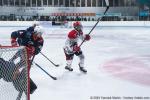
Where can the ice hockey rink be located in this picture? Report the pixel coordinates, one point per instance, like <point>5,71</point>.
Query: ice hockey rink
<point>117,59</point>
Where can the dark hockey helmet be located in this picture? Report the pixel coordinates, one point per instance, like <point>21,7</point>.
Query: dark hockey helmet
<point>77,26</point>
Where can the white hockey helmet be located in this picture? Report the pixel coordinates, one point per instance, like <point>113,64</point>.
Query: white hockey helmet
<point>38,30</point>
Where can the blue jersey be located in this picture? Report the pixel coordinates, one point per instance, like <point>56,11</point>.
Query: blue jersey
<point>22,36</point>
<point>30,29</point>
<point>25,38</point>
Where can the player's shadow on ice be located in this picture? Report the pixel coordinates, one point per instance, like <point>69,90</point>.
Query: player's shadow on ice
<point>67,75</point>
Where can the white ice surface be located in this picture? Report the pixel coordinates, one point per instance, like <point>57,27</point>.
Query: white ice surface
<point>107,44</point>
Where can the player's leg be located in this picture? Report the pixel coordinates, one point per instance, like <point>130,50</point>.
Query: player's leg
<point>20,83</point>
<point>69,58</point>
<point>81,62</point>
<point>17,55</point>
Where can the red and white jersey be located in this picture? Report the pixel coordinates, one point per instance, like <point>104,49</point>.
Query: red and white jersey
<point>72,40</point>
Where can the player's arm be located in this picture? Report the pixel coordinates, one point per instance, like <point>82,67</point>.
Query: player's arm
<point>68,46</point>
<point>36,47</point>
<point>86,37</point>
<point>14,36</point>
<point>30,29</point>
<point>39,46</point>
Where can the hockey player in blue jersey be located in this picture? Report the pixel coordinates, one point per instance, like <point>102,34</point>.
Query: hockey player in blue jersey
<point>32,40</point>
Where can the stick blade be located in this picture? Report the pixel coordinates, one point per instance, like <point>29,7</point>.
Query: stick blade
<point>54,78</point>
<point>57,65</point>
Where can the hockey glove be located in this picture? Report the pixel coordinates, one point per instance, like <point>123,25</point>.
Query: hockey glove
<point>37,50</point>
<point>87,37</point>
<point>31,50</point>
<point>76,48</point>
<point>30,43</point>
<point>13,42</point>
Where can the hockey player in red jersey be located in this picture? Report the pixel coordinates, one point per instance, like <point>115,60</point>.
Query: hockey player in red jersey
<point>72,47</point>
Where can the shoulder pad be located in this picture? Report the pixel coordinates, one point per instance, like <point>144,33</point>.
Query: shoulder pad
<point>72,34</point>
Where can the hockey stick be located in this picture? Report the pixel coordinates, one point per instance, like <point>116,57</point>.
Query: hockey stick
<point>56,65</point>
<point>19,95</point>
<point>32,60</point>
<point>54,78</point>
<point>99,19</point>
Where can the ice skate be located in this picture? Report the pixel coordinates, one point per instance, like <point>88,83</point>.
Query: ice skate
<point>82,69</point>
<point>69,68</point>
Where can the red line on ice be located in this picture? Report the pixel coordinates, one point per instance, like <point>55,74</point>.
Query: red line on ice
<point>133,69</point>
